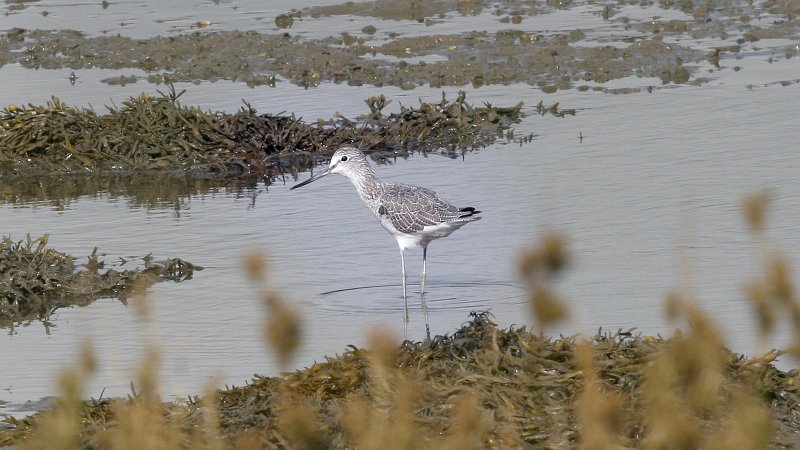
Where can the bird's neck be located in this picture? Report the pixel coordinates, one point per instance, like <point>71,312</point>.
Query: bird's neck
<point>366,184</point>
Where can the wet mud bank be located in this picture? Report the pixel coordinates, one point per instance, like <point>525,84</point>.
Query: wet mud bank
<point>625,39</point>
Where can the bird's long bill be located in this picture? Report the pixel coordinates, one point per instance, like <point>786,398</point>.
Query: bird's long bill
<point>314,178</point>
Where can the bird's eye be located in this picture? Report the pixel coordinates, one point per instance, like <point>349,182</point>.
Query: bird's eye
<point>344,158</point>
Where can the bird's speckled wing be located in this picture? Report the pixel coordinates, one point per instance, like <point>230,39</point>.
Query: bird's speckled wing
<point>412,208</point>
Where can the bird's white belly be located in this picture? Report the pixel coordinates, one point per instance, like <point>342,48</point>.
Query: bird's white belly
<point>420,238</point>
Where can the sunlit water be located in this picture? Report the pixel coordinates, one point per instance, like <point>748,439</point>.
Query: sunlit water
<point>649,200</point>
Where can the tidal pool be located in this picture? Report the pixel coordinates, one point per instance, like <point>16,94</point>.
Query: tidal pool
<point>647,187</point>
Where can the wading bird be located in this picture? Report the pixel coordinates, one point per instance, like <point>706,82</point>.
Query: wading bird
<point>413,215</point>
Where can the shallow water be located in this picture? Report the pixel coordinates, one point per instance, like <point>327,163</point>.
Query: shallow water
<point>649,199</point>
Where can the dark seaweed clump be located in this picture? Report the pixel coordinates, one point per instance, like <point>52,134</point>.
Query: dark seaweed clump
<point>157,133</point>
<point>35,280</point>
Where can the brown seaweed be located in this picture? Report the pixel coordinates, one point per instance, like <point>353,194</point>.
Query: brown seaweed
<point>159,134</point>
<point>36,280</point>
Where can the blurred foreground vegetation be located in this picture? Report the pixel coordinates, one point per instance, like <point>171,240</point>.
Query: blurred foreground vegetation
<point>484,386</point>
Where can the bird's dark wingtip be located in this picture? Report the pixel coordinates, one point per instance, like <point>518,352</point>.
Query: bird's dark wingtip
<point>468,212</point>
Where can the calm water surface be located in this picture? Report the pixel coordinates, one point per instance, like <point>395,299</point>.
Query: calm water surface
<point>649,200</point>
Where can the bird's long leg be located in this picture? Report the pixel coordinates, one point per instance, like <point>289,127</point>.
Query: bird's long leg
<point>405,298</point>
<point>422,292</point>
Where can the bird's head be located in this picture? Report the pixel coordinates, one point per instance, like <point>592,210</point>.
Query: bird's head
<point>347,160</point>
